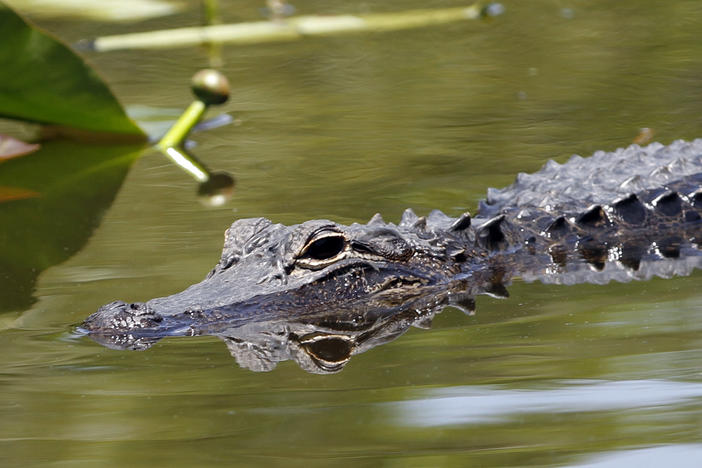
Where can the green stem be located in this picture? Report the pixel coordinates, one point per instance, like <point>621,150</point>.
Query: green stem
<point>177,133</point>
<point>291,29</point>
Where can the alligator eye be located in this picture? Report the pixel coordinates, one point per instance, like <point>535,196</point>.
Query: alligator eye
<point>325,248</point>
<point>320,251</point>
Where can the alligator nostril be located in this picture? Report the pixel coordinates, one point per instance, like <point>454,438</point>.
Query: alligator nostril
<point>122,316</point>
<point>136,308</point>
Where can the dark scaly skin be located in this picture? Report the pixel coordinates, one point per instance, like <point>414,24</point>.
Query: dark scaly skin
<point>630,214</point>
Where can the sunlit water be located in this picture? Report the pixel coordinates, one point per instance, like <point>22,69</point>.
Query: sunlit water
<point>341,128</point>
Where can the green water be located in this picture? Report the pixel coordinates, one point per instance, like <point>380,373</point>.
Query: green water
<point>341,128</point>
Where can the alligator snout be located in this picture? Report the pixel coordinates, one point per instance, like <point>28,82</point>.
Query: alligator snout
<point>122,316</point>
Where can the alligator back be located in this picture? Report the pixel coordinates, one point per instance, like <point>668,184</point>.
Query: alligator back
<point>600,179</point>
<point>620,215</point>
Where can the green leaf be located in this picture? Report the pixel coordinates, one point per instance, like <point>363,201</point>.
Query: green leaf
<point>42,80</point>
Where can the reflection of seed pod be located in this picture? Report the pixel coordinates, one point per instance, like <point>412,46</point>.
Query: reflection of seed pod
<point>217,190</point>
<point>210,86</point>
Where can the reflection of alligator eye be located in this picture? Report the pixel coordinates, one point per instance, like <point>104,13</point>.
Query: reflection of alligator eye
<point>322,251</point>
<point>330,353</point>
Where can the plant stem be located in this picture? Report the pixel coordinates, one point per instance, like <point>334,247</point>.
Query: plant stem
<point>177,133</point>
<point>290,29</point>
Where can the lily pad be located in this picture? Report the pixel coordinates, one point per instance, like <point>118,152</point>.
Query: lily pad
<point>42,80</point>
<point>12,147</point>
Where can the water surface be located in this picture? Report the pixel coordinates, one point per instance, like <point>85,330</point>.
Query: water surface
<point>342,128</point>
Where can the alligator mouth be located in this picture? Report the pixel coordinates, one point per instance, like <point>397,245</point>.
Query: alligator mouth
<point>380,276</point>
<point>339,267</point>
<point>351,280</point>
<point>393,284</point>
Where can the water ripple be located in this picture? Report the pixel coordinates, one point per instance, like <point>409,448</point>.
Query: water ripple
<point>490,404</point>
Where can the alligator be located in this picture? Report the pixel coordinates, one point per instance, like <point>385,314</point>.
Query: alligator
<point>319,291</point>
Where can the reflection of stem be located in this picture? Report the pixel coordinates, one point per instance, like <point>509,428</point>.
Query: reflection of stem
<point>211,10</point>
<point>188,162</point>
<point>212,16</point>
<point>214,188</point>
<point>177,133</point>
<point>210,88</point>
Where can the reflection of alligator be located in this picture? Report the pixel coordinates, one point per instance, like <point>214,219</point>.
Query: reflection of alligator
<point>629,214</point>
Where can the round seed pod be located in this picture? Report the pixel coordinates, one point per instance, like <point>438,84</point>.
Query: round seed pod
<point>210,86</point>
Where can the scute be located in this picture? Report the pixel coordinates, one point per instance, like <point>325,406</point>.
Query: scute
<point>669,204</point>
<point>630,209</point>
<point>604,177</point>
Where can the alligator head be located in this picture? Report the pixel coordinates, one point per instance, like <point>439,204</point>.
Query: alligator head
<point>270,270</point>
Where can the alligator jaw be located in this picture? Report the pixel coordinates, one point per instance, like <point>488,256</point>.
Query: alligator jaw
<point>341,286</point>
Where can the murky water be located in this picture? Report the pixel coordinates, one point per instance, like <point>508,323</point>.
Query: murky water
<point>341,128</point>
